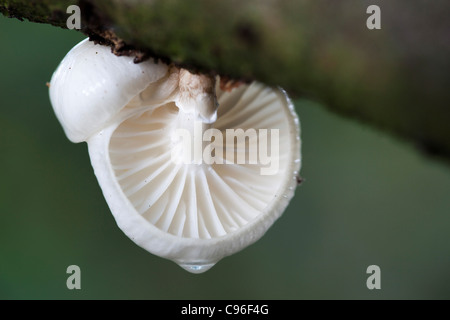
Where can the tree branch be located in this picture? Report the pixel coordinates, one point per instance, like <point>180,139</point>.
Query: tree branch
<point>396,78</point>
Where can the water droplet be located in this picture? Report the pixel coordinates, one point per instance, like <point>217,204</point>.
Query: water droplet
<point>196,267</point>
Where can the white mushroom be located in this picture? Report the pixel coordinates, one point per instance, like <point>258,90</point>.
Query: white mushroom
<point>193,208</point>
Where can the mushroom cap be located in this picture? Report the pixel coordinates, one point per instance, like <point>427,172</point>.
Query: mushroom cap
<point>192,213</point>
<point>91,85</point>
<point>196,214</point>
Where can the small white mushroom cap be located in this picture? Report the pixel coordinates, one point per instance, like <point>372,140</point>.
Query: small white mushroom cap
<point>91,86</point>
<point>192,213</point>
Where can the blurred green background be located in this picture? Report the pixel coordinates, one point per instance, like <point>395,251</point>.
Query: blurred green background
<point>367,199</point>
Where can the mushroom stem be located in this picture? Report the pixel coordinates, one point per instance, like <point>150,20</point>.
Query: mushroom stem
<point>197,103</point>
<point>187,139</point>
<point>197,94</point>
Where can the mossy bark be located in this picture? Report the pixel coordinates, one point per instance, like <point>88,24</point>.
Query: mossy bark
<point>396,78</point>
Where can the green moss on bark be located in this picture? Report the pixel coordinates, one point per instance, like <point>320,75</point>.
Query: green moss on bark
<point>395,78</point>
